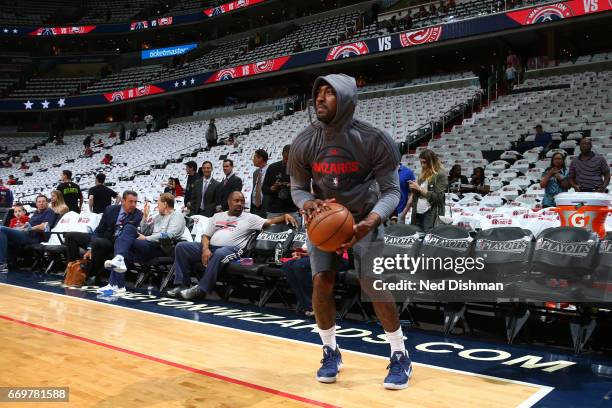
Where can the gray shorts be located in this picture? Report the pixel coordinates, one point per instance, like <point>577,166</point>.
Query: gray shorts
<point>368,247</point>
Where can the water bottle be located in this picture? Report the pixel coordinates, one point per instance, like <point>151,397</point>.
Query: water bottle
<point>278,253</point>
<point>47,229</point>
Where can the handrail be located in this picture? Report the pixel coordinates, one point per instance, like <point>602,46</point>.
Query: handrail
<point>428,128</point>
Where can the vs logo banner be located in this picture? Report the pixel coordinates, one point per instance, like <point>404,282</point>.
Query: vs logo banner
<point>559,11</point>
<point>132,93</point>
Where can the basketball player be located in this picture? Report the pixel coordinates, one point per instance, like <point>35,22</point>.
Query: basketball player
<point>355,164</point>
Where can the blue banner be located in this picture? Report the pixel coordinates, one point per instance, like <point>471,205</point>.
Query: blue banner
<point>168,51</point>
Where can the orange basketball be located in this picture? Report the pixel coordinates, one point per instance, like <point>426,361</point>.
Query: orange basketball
<point>331,228</point>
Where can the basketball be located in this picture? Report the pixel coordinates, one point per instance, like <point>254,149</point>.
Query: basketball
<point>332,228</point>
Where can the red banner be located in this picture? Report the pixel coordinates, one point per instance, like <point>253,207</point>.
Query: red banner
<point>227,7</point>
<point>347,51</point>
<point>75,30</point>
<point>559,11</point>
<point>249,69</point>
<point>418,37</point>
<point>132,93</point>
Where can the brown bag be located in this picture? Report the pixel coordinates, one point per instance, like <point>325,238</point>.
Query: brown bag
<point>76,273</point>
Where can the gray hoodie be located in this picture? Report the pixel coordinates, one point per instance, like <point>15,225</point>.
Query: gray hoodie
<point>347,159</point>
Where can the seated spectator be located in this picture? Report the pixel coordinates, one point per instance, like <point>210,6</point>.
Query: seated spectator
<point>423,12</point>
<point>35,159</point>
<point>112,134</point>
<point>108,159</point>
<point>554,180</point>
<point>32,232</point>
<point>7,163</point>
<point>174,187</point>
<point>24,166</point>
<point>428,192</point>
<point>100,244</point>
<point>297,47</point>
<point>11,181</point>
<point>20,217</point>
<point>99,143</point>
<point>58,205</point>
<point>542,139</point>
<point>455,179</point>
<point>88,152</point>
<point>222,242</point>
<point>299,276</point>
<point>87,140</point>
<point>133,246</point>
<point>479,181</point>
<point>361,82</point>
<point>589,171</point>
<point>6,196</point>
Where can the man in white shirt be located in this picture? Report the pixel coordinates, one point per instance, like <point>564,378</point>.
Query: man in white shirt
<point>225,237</point>
<point>260,160</point>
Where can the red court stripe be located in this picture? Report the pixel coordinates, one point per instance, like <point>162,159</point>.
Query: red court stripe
<point>173,364</point>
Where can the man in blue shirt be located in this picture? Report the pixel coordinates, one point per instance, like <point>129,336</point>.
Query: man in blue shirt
<point>542,139</point>
<point>34,231</point>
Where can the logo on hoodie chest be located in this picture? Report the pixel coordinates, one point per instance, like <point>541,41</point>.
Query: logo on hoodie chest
<point>336,167</point>
<point>347,51</point>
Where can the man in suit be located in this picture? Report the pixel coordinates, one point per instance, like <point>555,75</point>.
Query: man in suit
<point>205,193</point>
<point>258,205</point>
<point>229,184</point>
<point>100,244</point>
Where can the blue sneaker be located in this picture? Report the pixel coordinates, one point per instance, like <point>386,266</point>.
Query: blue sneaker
<point>331,364</point>
<point>400,371</point>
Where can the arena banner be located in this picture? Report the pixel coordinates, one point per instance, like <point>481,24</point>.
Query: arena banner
<point>71,30</point>
<point>132,93</point>
<point>226,8</point>
<point>161,22</point>
<point>254,68</point>
<point>393,42</point>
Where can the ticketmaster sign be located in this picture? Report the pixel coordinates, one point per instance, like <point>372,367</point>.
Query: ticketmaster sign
<point>168,51</point>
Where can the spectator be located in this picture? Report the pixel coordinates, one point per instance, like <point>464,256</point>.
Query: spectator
<point>299,276</point>
<point>512,60</point>
<point>479,181</point>
<point>100,244</point>
<point>229,184</point>
<point>87,140</point>
<point>542,139</point>
<point>133,246</point>
<point>174,187</point>
<point>58,205</point>
<point>107,159</point>
<point>112,134</point>
<point>277,194</point>
<point>483,79</point>
<point>260,160</point>
<point>589,171</point>
<point>205,193</point>
<point>71,191</point>
<point>148,122</point>
<point>99,143</point>
<point>220,245</point>
<point>24,166</point>
<point>297,47</point>
<point>554,180</point>
<point>122,133</point>
<point>191,168</point>
<point>35,159</point>
<point>6,196</point>
<point>88,152</point>
<point>11,181</point>
<point>361,82</point>
<point>428,198</point>
<point>20,217</point>
<point>133,128</point>
<point>511,76</point>
<point>101,196</point>
<point>456,179</point>
<point>405,177</point>
<point>31,233</point>
<point>211,134</point>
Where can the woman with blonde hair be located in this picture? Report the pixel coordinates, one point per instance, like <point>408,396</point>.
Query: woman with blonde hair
<point>58,205</point>
<point>428,192</point>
